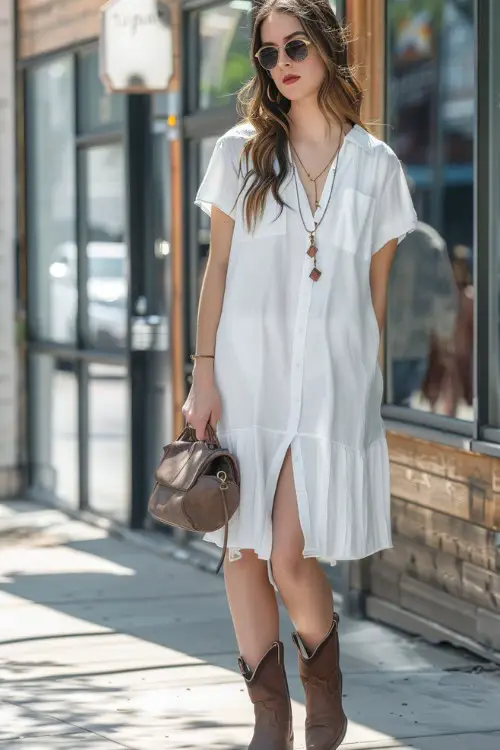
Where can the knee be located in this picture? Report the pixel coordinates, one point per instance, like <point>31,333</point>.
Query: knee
<point>287,564</point>
<point>245,562</point>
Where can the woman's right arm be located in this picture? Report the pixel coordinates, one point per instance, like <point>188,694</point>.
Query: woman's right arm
<point>203,404</point>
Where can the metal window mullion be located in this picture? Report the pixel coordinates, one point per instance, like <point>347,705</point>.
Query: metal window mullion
<point>482,244</point>
<point>191,60</point>
<point>192,168</point>
<point>82,367</point>
<point>82,241</point>
<point>99,138</point>
<point>82,371</point>
<point>494,221</point>
<point>427,419</point>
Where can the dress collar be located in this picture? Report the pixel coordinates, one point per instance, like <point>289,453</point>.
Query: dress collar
<point>360,137</point>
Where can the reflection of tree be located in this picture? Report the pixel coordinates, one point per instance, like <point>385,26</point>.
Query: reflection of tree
<point>226,61</point>
<point>236,72</point>
<point>398,12</point>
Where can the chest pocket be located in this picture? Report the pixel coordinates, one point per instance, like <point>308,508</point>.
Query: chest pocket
<point>355,214</point>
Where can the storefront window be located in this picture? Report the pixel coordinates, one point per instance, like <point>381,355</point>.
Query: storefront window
<point>494,343</point>
<point>54,428</point>
<point>431,111</point>
<point>224,58</point>
<point>207,146</point>
<point>97,109</point>
<point>52,201</point>
<point>107,259</point>
<point>109,440</point>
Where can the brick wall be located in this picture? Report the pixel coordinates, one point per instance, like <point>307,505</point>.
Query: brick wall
<point>8,353</point>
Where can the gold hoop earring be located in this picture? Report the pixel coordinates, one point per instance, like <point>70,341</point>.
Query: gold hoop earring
<point>274,101</point>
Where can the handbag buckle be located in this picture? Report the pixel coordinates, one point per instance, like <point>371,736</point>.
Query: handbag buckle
<point>222,477</point>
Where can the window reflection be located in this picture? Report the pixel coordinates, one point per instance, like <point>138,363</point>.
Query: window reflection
<point>495,224</point>
<point>431,92</point>
<point>207,146</point>
<point>225,52</point>
<point>54,428</point>
<point>107,285</point>
<point>98,109</point>
<point>52,202</point>
<point>109,440</point>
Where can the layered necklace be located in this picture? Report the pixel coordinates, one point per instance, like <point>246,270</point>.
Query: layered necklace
<point>313,248</point>
<point>310,177</point>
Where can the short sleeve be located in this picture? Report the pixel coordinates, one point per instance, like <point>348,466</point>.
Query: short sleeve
<point>395,215</point>
<point>220,185</point>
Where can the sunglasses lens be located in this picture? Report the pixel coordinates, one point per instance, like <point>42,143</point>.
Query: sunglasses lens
<point>268,57</point>
<point>297,50</point>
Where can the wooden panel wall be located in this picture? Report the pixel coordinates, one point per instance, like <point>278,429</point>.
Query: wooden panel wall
<point>46,25</point>
<point>445,564</point>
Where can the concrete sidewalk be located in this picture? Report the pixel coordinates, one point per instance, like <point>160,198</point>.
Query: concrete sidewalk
<point>105,644</point>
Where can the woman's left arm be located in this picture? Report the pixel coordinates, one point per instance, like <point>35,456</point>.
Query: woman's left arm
<point>379,279</point>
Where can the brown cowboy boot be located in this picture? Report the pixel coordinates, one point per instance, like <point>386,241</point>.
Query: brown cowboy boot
<point>326,722</point>
<point>268,690</point>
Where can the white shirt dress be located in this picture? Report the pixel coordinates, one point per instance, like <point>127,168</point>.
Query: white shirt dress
<point>296,361</point>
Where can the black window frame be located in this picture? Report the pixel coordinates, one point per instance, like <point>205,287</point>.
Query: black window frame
<point>478,435</point>
<point>79,356</point>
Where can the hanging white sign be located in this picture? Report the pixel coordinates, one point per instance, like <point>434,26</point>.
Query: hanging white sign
<point>136,46</point>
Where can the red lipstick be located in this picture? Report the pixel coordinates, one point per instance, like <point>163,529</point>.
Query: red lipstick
<point>287,80</point>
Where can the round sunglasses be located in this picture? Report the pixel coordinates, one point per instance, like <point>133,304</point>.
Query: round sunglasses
<point>296,50</point>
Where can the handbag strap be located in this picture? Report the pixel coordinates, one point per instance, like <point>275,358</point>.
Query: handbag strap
<point>222,477</point>
<point>189,434</point>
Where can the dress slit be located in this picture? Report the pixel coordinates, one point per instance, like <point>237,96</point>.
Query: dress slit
<point>289,444</point>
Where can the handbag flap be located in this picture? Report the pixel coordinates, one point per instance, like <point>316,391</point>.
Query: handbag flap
<point>184,462</point>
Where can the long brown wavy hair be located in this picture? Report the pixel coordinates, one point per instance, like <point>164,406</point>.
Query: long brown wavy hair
<point>339,98</point>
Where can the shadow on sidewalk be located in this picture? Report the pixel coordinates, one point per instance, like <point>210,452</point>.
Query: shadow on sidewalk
<point>97,621</point>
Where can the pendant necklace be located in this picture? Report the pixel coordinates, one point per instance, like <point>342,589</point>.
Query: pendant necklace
<point>310,177</point>
<point>313,248</point>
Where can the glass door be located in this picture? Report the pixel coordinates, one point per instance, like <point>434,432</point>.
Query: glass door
<point>98,319</point>
<point>103,315</point>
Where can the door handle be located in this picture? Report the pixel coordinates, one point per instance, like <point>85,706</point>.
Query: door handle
<point>162,249</point>
<point>149,333</point>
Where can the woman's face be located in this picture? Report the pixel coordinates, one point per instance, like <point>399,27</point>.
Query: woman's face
<point>295,80</point>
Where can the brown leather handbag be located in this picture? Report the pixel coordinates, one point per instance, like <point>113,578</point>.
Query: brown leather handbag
<point>197,485</point>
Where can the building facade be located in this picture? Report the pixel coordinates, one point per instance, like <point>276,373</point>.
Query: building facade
<point>10,329</point>
<point>111,252</point>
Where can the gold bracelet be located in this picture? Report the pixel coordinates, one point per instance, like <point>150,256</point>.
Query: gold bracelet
<point>194,357</point>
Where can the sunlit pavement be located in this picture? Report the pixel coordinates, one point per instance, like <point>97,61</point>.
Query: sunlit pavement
<point>105,644</point>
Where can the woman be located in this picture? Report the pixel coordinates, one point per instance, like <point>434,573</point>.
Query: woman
<point>306,211</point>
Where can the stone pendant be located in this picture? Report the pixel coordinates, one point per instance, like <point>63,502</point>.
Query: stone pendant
<point>315,274</point>
<point>312,252</point>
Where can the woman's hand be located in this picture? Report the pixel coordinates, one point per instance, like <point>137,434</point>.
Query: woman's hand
<point>203,404</point>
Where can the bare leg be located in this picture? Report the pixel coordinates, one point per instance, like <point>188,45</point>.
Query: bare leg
<point>302,583</point>
<point>253,606</point>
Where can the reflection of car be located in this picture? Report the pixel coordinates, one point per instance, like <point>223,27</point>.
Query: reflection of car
<point>107,289</point>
